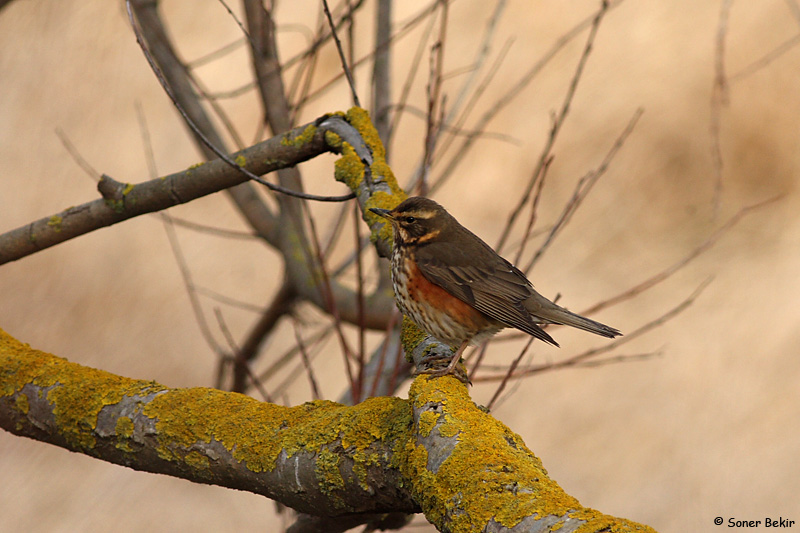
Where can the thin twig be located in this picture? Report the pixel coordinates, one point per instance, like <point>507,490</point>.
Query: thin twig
<point>330,301</point>
<point>395,317</point>
<point>360,305</point>
<point>76,155</point>
<point>466,99</point>
<point>306,363</point>
<point>511,94</point>
<point>719,99</point>
<point>227,300</point>
<point>342,57</point>
<point>382,72</point>
<point>678,265</point>
<point>539,180</point>
<point>557,123</point>
<point>510,372</point>
<point>581,358</point>
<point>582,189</point>
<point>764,60</point>
<point>300,368</point>
<point>200,135</point>
<point>214,231</point>
<point>226,333</point>
<point>410,76</point>
<point>215,55</point>
<point>794,7</point>
<point>435,102</point>
<point>280,305</point>
<point>188,283</point>
<point>323,88</point>
<point>291,355</point>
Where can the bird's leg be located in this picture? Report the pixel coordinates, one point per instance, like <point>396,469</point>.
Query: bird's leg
<point>451,368</point>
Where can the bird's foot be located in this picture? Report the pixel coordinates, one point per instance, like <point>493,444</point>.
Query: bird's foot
<point>434,368</point>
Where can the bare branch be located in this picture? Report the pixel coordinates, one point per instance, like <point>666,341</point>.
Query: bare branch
<point>678,265</point>
<point>209,143</point>
<point>719,99</point>
<point>124,201</point>
<point>581,358</point>
<point>306,363</point>
<point>557,123</point>
<point>582,189</point>
<point>382,72</point>
<point>510,95</point>
<point>345,67</point>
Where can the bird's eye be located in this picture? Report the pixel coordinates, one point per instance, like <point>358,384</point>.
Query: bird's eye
<point>411,220</point>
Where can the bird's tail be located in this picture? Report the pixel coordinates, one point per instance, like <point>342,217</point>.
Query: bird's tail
<point>558,315</point>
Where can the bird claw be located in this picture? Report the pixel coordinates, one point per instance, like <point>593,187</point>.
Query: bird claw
<point>436,370</point>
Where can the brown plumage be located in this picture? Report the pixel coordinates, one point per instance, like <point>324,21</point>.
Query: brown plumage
<point>458,289</point>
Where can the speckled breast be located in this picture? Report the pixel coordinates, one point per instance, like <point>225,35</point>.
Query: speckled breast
<point>435,310</point>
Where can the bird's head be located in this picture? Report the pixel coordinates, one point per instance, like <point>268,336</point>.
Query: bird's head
<point>417,220</point>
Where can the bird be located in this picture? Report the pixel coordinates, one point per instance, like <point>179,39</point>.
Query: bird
<point>457,289</point>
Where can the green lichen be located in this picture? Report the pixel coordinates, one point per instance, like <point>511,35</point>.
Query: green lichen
<point>349,169</point>
<point>255,433</point>
<point>490,474</point>
<point>597,521</point>
<point>333,140</point>
<point>55,222</point>
<point>360,120</point>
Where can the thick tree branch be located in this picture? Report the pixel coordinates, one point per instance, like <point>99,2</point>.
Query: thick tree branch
<point>320,457</point>
<point>436,451</point>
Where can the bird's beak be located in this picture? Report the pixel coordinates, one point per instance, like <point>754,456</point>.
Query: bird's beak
<point>381,212</point>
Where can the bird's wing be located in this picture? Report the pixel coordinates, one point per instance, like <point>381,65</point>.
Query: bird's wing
<point>496,287</point>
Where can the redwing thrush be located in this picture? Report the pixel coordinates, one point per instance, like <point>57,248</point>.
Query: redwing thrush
<point>456,288</point>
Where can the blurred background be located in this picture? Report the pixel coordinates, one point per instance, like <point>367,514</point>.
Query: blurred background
<point>707,428</point>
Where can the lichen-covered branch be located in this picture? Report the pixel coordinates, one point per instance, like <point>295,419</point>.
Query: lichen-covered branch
<point>472,473</point>
<point>320,457</point>
<point>436,451</point>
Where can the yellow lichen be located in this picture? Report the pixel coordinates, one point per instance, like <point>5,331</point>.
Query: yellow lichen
<point>55,223</point>
<point>124,431</point>
<point>329,477</point>
<point>124,428</point>
<point>410,336</point>
<point>427,421</point>
<point>478,475</point>
<point>198,461</point>
<point>240,160</point>
<point>76,393</point>
<point>128,188</point>
<point>21,404</point>
<point>305,136</point>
